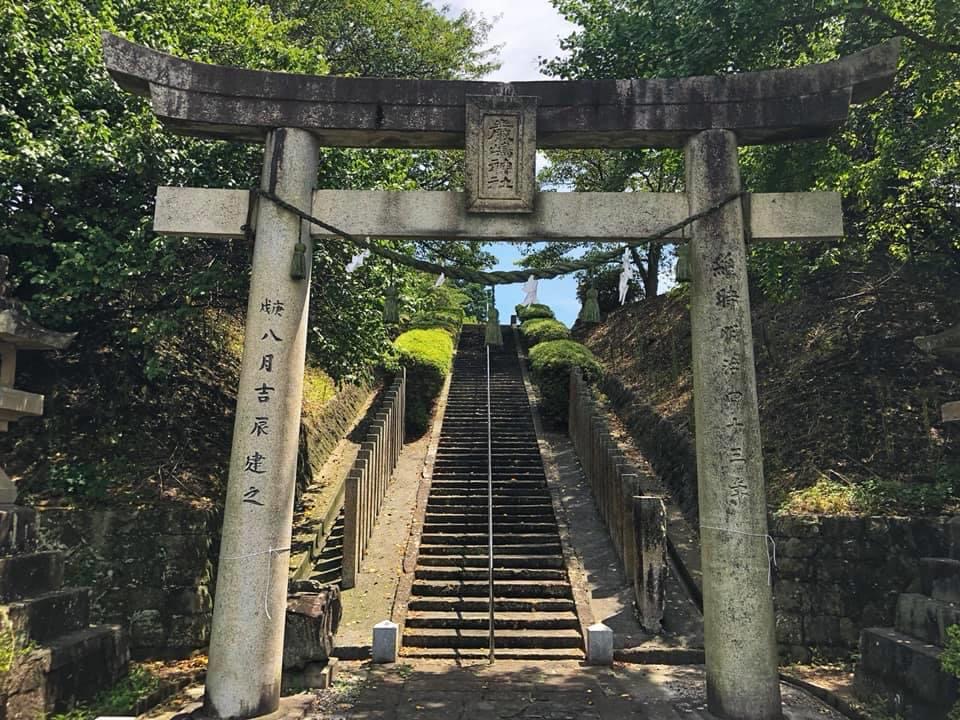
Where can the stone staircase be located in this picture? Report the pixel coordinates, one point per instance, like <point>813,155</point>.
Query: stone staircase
<point>52,657</point>
<point>901,665</point>
<point>328,566</point>
<point>534,607</point>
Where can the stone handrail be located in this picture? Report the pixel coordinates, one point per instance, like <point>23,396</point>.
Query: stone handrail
<point>369,478</point>
<point>636,523</point>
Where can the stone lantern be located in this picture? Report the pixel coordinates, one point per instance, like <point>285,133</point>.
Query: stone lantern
<point>18,332</point>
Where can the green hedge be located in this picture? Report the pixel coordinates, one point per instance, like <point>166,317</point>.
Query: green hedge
<point>550,364</point>
<point>540,330</point>
<point>427,354</point>
<point>530,312</point>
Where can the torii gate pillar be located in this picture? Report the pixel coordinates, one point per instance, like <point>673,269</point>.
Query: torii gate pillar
<point>246,641</point>
<point>739,627</point>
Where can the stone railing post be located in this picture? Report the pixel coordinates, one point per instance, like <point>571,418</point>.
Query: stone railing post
<point>351,530</point>
<point>740,644</point>
<point>630,488</point>
<point>650,571</point>
<point>366,485</point>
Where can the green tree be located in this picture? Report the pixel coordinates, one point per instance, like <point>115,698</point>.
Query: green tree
<point>604,171</point>
<point>394,38</point>
<point>80,161</point>
<point>896,161</point>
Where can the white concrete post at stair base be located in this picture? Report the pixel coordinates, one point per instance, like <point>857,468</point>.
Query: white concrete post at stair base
<point>599,645</point>
<point>246,643</point>
<point>386,642</point>
<point>740,644</point>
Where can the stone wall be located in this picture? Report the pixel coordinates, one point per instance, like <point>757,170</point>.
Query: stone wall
<point>669,449</point>
<point>838,575</point>
<point>149,567</point>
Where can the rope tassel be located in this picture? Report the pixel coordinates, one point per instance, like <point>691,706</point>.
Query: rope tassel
<point>391,306</point>
<point>682,269</point>
<point>298,266</point>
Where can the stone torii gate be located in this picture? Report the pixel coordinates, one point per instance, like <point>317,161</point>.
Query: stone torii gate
<point>501,125</point>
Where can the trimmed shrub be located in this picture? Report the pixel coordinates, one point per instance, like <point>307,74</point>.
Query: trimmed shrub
<point>550,364</point>
<point>427,354</point>
<point>540,330</point>
<point>533,311</point>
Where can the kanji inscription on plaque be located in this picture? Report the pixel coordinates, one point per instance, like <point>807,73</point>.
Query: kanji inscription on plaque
<point>501,149</point>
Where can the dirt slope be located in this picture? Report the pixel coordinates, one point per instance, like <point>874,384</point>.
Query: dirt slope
<point>848,405</point>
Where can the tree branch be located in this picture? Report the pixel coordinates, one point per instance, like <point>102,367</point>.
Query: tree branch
<point>881,17</point>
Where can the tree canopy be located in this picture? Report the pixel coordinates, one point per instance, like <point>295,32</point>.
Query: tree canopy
<point>896,162</point>
<point>80,161</point>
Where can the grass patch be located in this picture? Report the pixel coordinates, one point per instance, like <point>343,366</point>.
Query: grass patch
<point>318,390</point>
<point>121,699</point>
<point>875,496</point>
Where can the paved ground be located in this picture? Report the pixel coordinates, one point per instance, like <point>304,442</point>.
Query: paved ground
<point>509,690</point>
<point>372,600</point>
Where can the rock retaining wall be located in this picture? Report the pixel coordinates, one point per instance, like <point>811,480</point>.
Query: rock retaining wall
<point>149,566</point>
<point>838,575</point>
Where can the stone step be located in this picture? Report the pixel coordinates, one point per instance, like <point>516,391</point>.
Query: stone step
<point>940,579</point>
<point>480,574</point>
<point>501,621</point>
<point>499,561</point>
<point>29,574</point>
<point>68,669</point>
<point>529,654</point>
<point>507,639</point>
<point>479,415</point>
<point>906,664</point>
<point>504,588</point>
<point>924,618</point>
<point>458,445</point>
<point>468,457</point>
<point>51,614</point>
<point>482,538</point>
<point>498,500</point>
<point>499,476</point>
<point>544,549</point>
<point>454,525</point>
<point>474,483</point>
<point>478,510</point>
<point>500,492</point>
<point>501,464</point>
<point>500,605</point>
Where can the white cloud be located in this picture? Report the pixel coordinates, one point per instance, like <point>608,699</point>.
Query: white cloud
<point>527,30</point>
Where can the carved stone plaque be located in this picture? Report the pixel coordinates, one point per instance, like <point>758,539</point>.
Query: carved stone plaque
<point>501,149</point>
